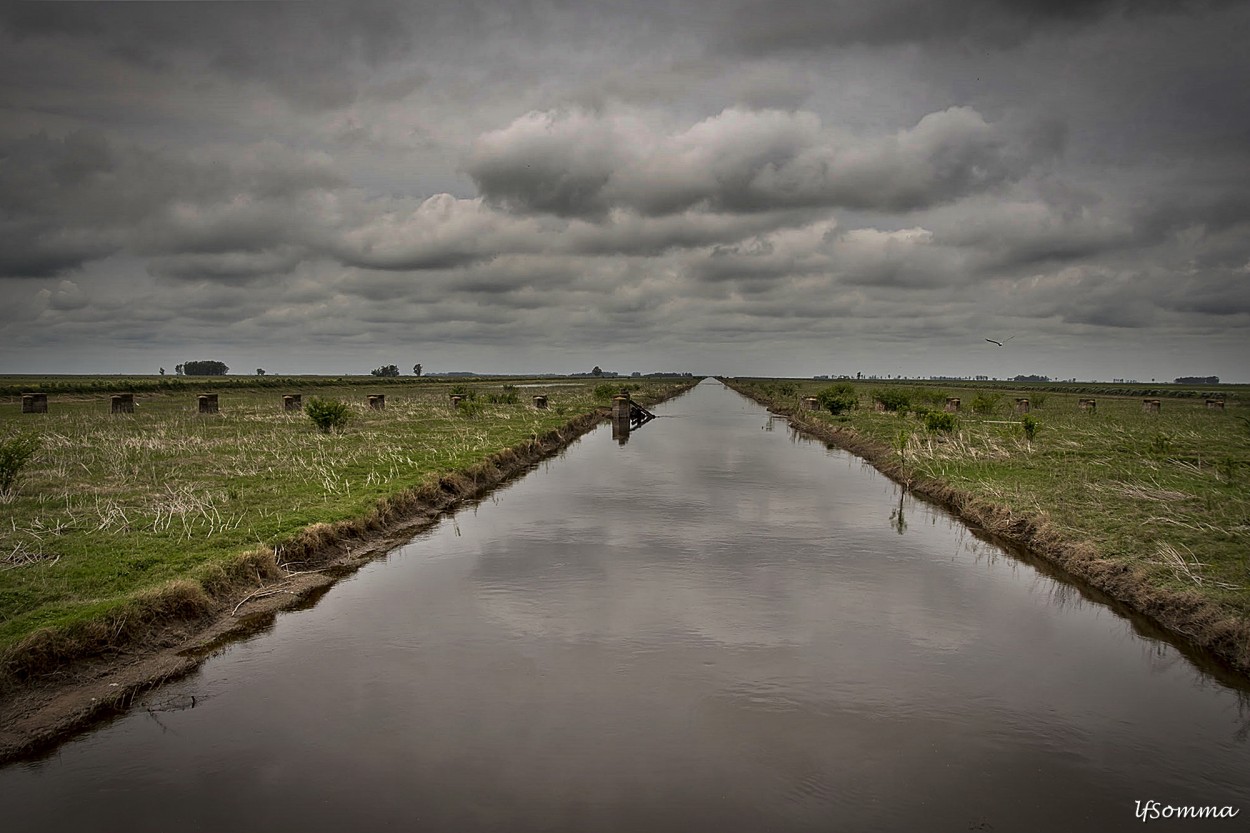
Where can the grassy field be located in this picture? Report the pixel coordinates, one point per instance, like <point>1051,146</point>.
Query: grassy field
<point>113,507</point>
<point>1157,504</point>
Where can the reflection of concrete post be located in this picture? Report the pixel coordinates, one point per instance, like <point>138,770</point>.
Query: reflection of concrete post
<point>1088,404</point>
<point>811,403</point>
<point>34,403</point>
<point>122,403</point>
<point>208,403</point>
<point>540,402</point>
<point>952,405</point>
<point>1022,406</point>
<point>1215,404</point>
<point>292,402</point>
<point>377,401</point>
<point>1150,406</point>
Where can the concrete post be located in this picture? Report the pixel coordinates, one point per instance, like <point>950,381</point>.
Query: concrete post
<point>1022,406</point>
<point>377,401</point>
<point>293,402</point>
<point>1088,404</point>
<point>456,399</point>
<point>122,403</point>
<point>1215,404</point>
<point>1151,406</point>
<point>34,403</point>
<point>540,402</point>
<point>811,403</point>
<point>952,405</point>
<point>208,403</point>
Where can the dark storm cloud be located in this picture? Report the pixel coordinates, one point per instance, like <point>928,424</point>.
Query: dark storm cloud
<point>755,26</point>
<point>582,164</point>
<point>67,201</point>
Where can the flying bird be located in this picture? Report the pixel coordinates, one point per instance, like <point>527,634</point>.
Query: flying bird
<point>1000,343</point>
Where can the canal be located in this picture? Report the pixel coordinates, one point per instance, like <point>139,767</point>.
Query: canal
<point>717,625</point>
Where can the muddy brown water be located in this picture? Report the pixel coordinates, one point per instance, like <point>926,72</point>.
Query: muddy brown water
<point>719,626</point>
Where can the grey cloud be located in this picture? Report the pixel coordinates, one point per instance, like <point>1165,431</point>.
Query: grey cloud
<point>579,164</point>
<point>755,27</point>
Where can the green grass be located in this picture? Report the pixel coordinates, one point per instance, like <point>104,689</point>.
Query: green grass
<point>1167,494</point>
<point>112,506</point>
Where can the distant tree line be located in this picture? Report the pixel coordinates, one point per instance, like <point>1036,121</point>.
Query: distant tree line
<point>201,368</point>
<point>1197,380</point>
<point>1030,378</point>
<point>386,370</point>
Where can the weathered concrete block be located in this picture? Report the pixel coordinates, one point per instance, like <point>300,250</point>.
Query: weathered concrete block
<point>1088,404</point>
<point>34,403</point>
<point>208,403</point>
<point>1215,404</point>
<point>1151,406</point>
<point>377,401</point>
<point>952,405</point>
<point>811,403</point>
<point>293,402</point>
<point>122,403</point>
<point>540,402</point>
<point>620,407</point>
<point>1022,406</point>
<point>456,399</point>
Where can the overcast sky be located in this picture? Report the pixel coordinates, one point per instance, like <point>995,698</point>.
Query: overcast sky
<point>778,188</point>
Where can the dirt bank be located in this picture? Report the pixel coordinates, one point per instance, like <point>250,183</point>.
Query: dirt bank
<point>56,684</point>
<point>1193,619</point>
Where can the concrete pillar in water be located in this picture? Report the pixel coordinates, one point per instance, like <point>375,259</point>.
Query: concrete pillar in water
<point>292,402</point>
<point>377,401</point>
<point>1088,404</point>
<point>34,403</point>
<point>620,418</point>
<point>811,403</point>
<point>540,402</point>
<point>1150,406</point>
<point>1022,406</point>
<point>208,403</point>
<point>952,405</point>
<point>1215,404</point>
<point>122,403</point>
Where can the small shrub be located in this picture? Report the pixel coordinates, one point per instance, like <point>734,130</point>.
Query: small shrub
<point>606,391</point>
<point>465,391</point>
<point>508,397</point>
<point>1036,399</point>
<point>838,398</point>
<point>15,453</point>
<point>470,409</point>
<point>939,421</point>
<point>1030,426</point>
<point>787,389</point>
<point>892,400</point>
<point>986,403</point>
<point>327,414</point>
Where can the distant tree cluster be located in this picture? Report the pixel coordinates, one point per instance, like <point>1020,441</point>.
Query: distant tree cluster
<point>1197,380</point>
<point>388,370</point>
<point>1030,378</point>
<point>201,368</point>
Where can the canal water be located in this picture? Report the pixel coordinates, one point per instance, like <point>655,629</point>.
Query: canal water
<point>717,625</point>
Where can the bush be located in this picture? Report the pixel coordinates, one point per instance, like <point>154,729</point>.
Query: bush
<point>787,389</point>
<point>892,400</point>
<point>939,421</point>
<point>838,398</point>
<point>1036,399</point>
<point>327,414</point>
<point>1030,426</point>
<point>15,453</point>
<point>986,403</point>
<point>469,394</point>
